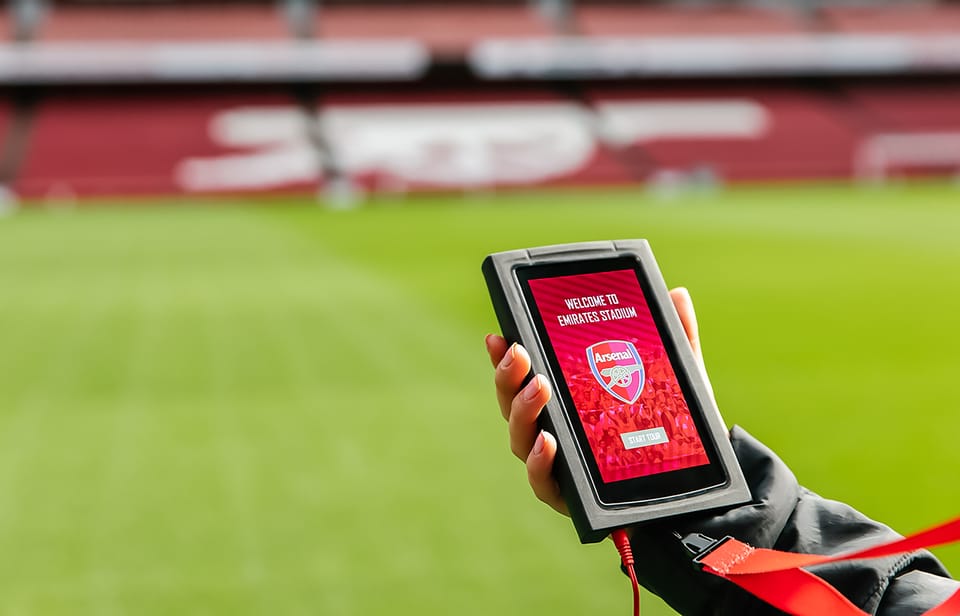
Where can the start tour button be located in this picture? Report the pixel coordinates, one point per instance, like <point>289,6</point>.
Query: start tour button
<point>644,438</point>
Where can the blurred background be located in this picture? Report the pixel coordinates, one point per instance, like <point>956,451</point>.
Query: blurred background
<point>241,312</point>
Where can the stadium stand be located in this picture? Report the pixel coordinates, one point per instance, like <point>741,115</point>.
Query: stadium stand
<point>248,141</point>
<point>113,98</point>
<point>447,30</point>
<point>8,149</point>
<point>6,171</point>
<point>163,23</point>
<point>498,137</point>
<point>904,106</point>
<point>90,144</point>
<point>743,132</point>
<point>620,20</point>
<point>910,129</point>
<point>4,118</point>
<point>912,18</point>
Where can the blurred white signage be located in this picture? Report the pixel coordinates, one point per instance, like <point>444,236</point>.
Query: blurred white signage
<point>699,56</point>
<point>447,145</point>
<point>211,61</point>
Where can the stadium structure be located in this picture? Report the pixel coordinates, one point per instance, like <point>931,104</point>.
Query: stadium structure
<point>349,97</point>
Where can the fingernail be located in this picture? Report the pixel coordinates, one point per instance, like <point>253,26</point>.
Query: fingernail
<point>538,445</point>
<point>509,357</point>
<point>533,388</point>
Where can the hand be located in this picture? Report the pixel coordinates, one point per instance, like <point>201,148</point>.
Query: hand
<point>520,408</point>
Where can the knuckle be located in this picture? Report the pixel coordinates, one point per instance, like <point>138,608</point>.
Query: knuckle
<point>516,404</point>
<point>535,477</point>
<point>516,446</point>
<point>506,382</point>
<point>519,409</point>
<point>541,494</point>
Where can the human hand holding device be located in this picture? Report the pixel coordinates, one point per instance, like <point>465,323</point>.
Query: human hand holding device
<point>779,515</point>
<point>521,407</point>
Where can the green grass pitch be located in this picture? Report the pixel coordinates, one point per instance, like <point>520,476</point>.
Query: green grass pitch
<point>280,409</point>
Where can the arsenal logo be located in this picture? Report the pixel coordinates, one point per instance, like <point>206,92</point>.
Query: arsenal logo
<point>617,367</point>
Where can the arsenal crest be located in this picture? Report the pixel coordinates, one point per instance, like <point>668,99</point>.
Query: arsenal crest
<point>617,367</point>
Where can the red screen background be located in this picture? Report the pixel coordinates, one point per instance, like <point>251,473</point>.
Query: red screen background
<point>604,417</point>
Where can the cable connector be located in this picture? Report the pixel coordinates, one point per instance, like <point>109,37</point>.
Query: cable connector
<point>622,542</point>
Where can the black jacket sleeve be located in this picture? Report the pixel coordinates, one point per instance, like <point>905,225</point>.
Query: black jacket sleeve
<point>785,516</point>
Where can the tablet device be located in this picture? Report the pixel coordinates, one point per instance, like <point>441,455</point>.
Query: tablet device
<point>639,434</point>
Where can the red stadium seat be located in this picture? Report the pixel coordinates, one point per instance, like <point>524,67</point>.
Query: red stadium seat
<point>156,23</point>
<point>130,144</point>
<point>919,18</point>
<point>5,117</point>
<point>912,128</point>
<point>6,24</point>
<point>798,134</point>
<point>908,106</point>
<point>632,20</point>
<point>447,29</point>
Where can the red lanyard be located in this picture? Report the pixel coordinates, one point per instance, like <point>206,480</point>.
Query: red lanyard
<point>779,578</point>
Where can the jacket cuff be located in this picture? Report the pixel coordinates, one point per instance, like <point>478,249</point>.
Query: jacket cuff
<point>783,516</point>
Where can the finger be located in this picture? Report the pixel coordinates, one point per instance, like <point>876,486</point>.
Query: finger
<point>509,376</point>
<point>496,347</point>
<point>540,472</point>
<point>524,410</point>
<point>684,305</point>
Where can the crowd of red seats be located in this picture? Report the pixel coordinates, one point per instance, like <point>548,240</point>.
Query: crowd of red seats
<point>138,143</point>
<point>450,27</point>
<point>159,22</point>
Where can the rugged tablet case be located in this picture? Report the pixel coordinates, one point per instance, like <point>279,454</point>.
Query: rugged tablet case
<point>593,520</point>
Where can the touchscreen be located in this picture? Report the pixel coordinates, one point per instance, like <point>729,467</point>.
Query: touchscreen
<point>619,375</point>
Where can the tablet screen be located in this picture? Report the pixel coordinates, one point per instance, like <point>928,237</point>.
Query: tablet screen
<point>626,393</point>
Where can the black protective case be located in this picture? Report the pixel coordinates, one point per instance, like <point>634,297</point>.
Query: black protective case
<point>593,520</point>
